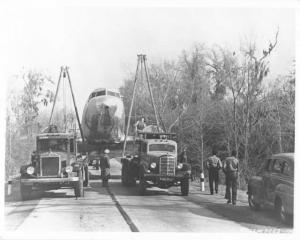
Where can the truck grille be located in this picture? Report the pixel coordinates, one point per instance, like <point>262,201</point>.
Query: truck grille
<point>50,166</point>
<point>167,166</point>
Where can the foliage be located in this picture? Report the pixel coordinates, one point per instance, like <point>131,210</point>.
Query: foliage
<point>215,98</point>
<point>22,120</point>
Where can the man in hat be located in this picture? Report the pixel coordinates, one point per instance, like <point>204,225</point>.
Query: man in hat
<point>105,168</point>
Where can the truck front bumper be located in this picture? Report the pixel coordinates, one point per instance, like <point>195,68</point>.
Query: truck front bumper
<point>48,180</point>
<point>161,177</point>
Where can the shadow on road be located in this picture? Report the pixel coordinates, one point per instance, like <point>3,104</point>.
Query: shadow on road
<point>240,213</point>
<point>119,190</point>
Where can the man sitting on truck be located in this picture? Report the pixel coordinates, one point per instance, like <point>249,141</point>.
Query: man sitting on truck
<point>183,156</point>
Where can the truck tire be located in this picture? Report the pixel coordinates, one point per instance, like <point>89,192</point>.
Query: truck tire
<point>184,187</point>
<point>86,176</point>
<point>142,187</point>
<point>124,176</point>
<point>131,181</point>
<point>78,190</point>
<point>25,192</point>
<point>252,204</point>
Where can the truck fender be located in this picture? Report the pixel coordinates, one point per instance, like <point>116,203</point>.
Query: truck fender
<point>255,187</point>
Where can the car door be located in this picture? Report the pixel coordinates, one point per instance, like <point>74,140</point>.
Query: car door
<point>266,175</point>
<point>273,180</point>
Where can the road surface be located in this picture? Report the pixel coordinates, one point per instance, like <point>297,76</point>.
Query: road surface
<point>120,209</point>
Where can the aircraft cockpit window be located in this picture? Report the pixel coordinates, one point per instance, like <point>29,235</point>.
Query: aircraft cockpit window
<point>115,94</point>
<point>100,93</point>
<point>96,94</point>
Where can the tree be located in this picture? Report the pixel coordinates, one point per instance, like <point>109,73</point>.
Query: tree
<point>22,123</point>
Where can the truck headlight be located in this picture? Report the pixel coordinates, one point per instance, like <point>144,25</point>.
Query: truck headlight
<point>30,170</point>
<point>69,169</point>
<point>153,165</point>
<point>180,165</point>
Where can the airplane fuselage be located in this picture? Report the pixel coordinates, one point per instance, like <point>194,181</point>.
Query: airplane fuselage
<point>103,118</point>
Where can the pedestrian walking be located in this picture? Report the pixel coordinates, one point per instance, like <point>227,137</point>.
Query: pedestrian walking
<point>226,197</point>
<point>105,168</point>
<point>231,167</point>
<point>213,165</point>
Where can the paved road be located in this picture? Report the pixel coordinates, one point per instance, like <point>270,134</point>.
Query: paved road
<point>121,209</point>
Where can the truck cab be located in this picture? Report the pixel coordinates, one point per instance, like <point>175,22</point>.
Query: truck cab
<point>53,164</point>
<point>155,163</point>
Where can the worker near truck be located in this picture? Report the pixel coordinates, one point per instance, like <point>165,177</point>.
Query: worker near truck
<point>105,168</point>
<point>140,125</point>
<point>231,166</point>
<point>213,165</point>
<point>183,156</point>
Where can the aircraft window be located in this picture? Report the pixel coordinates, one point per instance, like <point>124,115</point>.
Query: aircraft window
<point>115,94</point>
<point>101,93</point>
<point>96,94</point>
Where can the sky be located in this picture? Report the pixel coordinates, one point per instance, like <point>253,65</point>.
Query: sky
<point>100,43</point>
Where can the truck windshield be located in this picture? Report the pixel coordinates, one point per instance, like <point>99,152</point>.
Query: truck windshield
<point>162,148</point>
<point>52,144</point>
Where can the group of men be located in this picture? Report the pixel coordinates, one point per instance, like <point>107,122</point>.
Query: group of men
<point>230,167</point>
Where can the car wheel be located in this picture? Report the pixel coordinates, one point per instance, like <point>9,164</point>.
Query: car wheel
<point>281,212</point>
<point>184,187</point>
<point>25,192</point>
<point>252,204</point>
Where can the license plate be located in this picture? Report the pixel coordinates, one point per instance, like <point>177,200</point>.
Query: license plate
<point>165,179</point>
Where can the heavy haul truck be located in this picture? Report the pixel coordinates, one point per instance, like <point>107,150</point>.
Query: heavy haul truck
<point>155,164</point>
<point>56,161</point>
<point>155,161</point>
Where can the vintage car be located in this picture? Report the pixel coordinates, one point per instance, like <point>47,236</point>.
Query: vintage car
<point>274,186</point>
<point>55,163</point>
<point>155,164</point>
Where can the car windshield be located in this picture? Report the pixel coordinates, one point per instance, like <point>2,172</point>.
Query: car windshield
<point>52,144</point>
<point>162,148</point>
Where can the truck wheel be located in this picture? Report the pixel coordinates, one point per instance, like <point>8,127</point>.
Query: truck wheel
<point>252,204</point>
<point>124,176</point>
<point>25,192</point>
<point>78,190</point>
<point>142,187</point>
<point>131,181</point>
<point>184,186</point>
<point>86,176</point>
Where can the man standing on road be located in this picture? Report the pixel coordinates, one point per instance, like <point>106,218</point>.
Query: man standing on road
<point>105,168</point>
<point>231,167</point>
<point>213,165</point>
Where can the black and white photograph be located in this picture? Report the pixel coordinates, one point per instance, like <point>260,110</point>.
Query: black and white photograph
<point>156,117</point>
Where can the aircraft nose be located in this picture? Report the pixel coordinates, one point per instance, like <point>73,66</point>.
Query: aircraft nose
<point>106,116</point>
